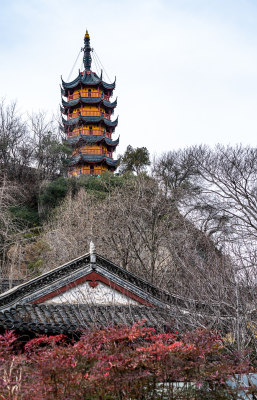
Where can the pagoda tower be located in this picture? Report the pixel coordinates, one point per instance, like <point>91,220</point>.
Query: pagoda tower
<point>88,124</point>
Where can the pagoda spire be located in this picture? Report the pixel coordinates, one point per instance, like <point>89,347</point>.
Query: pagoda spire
<point>87,49</point>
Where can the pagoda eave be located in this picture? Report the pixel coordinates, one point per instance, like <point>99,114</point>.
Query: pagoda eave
<point>88,139</point>
<point>88,79</point>
<point>92,159</point>
<point>72,84</point>
<point>74,121</point>
<point>89,100</point>
<point>108,104</point>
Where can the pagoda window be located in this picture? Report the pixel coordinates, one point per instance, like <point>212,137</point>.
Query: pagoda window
<point>89,92</point>
<point>91,169</point>
<point>90,129</point>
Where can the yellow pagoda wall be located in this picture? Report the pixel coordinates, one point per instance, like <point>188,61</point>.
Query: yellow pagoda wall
<point>90,149</point>
<point>96,130</point>
<point>85,170</point>
<point>86,92</point>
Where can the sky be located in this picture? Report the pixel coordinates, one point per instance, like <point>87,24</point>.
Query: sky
<point>186,70</point>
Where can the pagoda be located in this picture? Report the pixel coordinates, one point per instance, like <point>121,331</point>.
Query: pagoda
<point>88,125</point>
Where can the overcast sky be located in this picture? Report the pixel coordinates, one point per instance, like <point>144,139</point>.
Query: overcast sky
<point>186,69</point>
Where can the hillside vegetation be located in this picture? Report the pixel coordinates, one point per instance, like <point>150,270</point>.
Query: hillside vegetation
<point>187,223</point>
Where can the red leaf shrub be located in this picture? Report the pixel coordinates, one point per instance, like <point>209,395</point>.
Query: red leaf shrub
<point>117,363</point>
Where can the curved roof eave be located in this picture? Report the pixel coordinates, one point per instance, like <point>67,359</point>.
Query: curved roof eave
<point>107,103</point>
<point>91,119</point>
<point>108,85</point>
<point>111,142</point>
<point>72,84</point>
<point>92,139</point>
<point>111,162</point>
<point>106,121</point>
<point>85,138</point>
<point>70,122</point>
<point>70,103</point>
<point>90,79</point>
<point>93,159</point>
<point>89,100</point>
<point>110,123</point>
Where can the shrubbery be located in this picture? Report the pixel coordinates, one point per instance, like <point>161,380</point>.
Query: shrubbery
<point>119,363</point>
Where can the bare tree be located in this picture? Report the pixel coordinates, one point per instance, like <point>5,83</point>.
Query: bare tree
<point>67,235</point>
<point>10,194</point>
<point>222,205</point>
<point>220,192</point>
<point>15,143</point>
<point>50,151</point>
<point>135,220</point>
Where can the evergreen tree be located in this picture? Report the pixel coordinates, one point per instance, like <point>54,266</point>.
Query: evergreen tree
<point>134,160</point>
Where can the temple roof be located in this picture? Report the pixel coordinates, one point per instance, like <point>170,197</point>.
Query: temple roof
<point>8,283</point>
<point>89,100</point>
<point>93,158</point>
<point>33,306</point>
<point>92,139</point>
<point>65,276</point>
<point>87,119</point>
<point>67,318</point>
<point>88,79</point>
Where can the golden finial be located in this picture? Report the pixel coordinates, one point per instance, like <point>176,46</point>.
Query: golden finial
<point>86,34</point>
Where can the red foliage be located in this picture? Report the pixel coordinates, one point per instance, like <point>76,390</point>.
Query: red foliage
<point>112,363</point>
<point>6,344</point>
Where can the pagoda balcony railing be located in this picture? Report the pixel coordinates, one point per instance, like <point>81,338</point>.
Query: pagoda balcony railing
<point>93,151</point>
<point>89,114</point>
<point>85,131</point>
<point>86,93</point>
<point>82,171</point>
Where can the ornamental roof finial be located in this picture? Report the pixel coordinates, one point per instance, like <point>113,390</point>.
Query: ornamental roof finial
<point>92,252</point>
<point>87,49</point>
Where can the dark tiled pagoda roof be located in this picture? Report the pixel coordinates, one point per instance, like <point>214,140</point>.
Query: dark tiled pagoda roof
<point>91,79</point>
<point>89,100</point>
<point>74,140</point>
<point>92,120</point>
<point>92,158</point>
<point>67,318</point>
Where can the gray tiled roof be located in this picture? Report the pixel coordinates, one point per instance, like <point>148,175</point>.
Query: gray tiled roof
<point>93,158</point>
<point>92,139</point>
<point>71,318</point>
<point>87,119</point>
<point>6,284</point>
<point>89,100</point>
<point>54,279</point>
<point>88,80</point>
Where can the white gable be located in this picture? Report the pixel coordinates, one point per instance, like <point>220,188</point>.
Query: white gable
<point>85,294</point>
